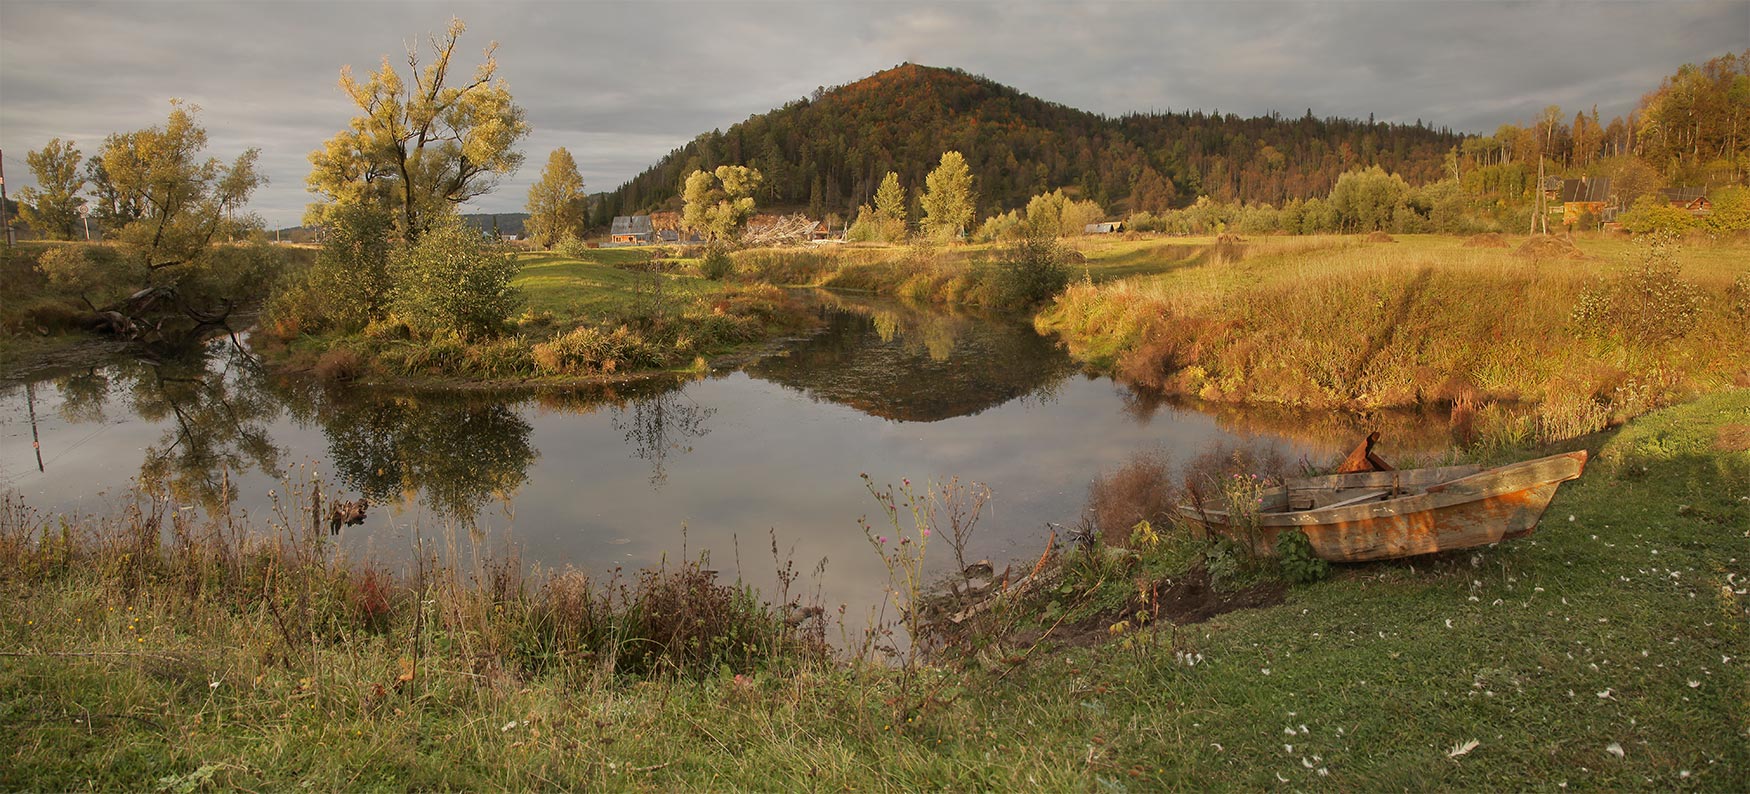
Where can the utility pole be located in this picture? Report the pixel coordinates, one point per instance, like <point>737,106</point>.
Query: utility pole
<point>5,217</point>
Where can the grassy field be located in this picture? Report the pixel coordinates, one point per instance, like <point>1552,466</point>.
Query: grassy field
<point>600,285</point>
<point>1344,322</point>
<point>1610,650</point>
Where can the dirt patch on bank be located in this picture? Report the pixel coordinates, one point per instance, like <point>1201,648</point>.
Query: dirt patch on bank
<point>1733,438</point>
<point>1183,600</point>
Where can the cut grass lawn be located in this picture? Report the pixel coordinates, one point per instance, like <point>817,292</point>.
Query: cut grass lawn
<point>1609,650</point>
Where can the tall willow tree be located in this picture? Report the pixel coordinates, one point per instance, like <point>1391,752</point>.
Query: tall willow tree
<point>186,203</point>
<point>419,150</point>
<point>556,203</point>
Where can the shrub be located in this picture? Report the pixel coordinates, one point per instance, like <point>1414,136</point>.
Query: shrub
<point>570,247</point>
<point>692,625</point>
<point>452,280</point>
<point>716,264</point>
<point>1294,554</point>
<point>1140,491</point>
<point>1032,270</point>
<point>67,267</point>
<point>1731,210</point>
<point>340,363</point>
<point>1651,214</point>
<point>1650,304</point>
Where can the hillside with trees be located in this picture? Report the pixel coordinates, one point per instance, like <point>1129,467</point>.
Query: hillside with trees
<point>829,152</point>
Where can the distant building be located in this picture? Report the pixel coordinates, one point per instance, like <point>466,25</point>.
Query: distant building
<point>1584,196</point>
<point>631,230</point>
<point>1693,200</point>
<point>1552,187</point>
<point>679,237</point>
<point>1110,227</point>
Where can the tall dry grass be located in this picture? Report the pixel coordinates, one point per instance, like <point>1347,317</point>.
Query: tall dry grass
<point>1323,324</point>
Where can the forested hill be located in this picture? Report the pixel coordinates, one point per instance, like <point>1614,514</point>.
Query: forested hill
<point>829,152</point>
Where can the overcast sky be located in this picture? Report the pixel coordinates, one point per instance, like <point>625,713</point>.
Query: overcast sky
<point>620,84</point>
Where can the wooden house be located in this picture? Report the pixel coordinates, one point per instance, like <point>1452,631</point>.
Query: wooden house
<point>1584,196</point>
<point>1692,200</point>
<point>631,230</point>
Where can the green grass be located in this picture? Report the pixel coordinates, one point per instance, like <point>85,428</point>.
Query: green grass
<point>1619,623</point>
<point>599,286</point>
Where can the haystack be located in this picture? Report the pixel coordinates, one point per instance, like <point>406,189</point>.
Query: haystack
<point>1381,237</point>
<point>1544,247</point>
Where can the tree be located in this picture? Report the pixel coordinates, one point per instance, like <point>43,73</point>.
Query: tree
<point>890,200</point>
<point>948,197</point>
<point>1366,200</point>
<point>110,209</point>
<point>186,204</point>
<point>420,150</point>
<point>1152,192</point>
<point>1057,215</point>
<point>52,207</point>
<point>557,202</point>
<point>718,203</point>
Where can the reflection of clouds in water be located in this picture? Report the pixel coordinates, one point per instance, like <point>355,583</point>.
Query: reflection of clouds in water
<point>608,476</point>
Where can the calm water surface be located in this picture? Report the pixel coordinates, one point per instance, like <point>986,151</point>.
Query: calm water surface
<point>624,475</point>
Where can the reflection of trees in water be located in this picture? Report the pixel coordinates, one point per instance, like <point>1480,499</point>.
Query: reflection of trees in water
<point>457,453</point>
<point>218,412</point>
<point>660,424</point>
<point>907,363</point>
<point>83,395</point>
<point>655,416</point>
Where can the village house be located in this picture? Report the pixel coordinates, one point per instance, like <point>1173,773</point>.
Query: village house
<point>679,237</point>
<point>631,230</point>
<point>1586,196</point>
<point>1109,227</point>
<point>1692,200</point>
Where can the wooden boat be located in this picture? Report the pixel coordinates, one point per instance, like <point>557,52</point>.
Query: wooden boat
<point>1379,515</point>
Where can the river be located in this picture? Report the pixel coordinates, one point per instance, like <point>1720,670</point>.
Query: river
<point>627,476</point>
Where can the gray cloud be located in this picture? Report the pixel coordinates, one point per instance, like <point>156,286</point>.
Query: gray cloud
<point>621,84</point>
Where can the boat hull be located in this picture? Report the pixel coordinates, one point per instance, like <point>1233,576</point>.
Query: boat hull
<point>1487,507</point>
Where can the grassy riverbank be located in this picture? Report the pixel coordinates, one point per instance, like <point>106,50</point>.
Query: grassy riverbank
<point>1593,334</point>
<point>1608,650</point>
<point>612,313</point>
